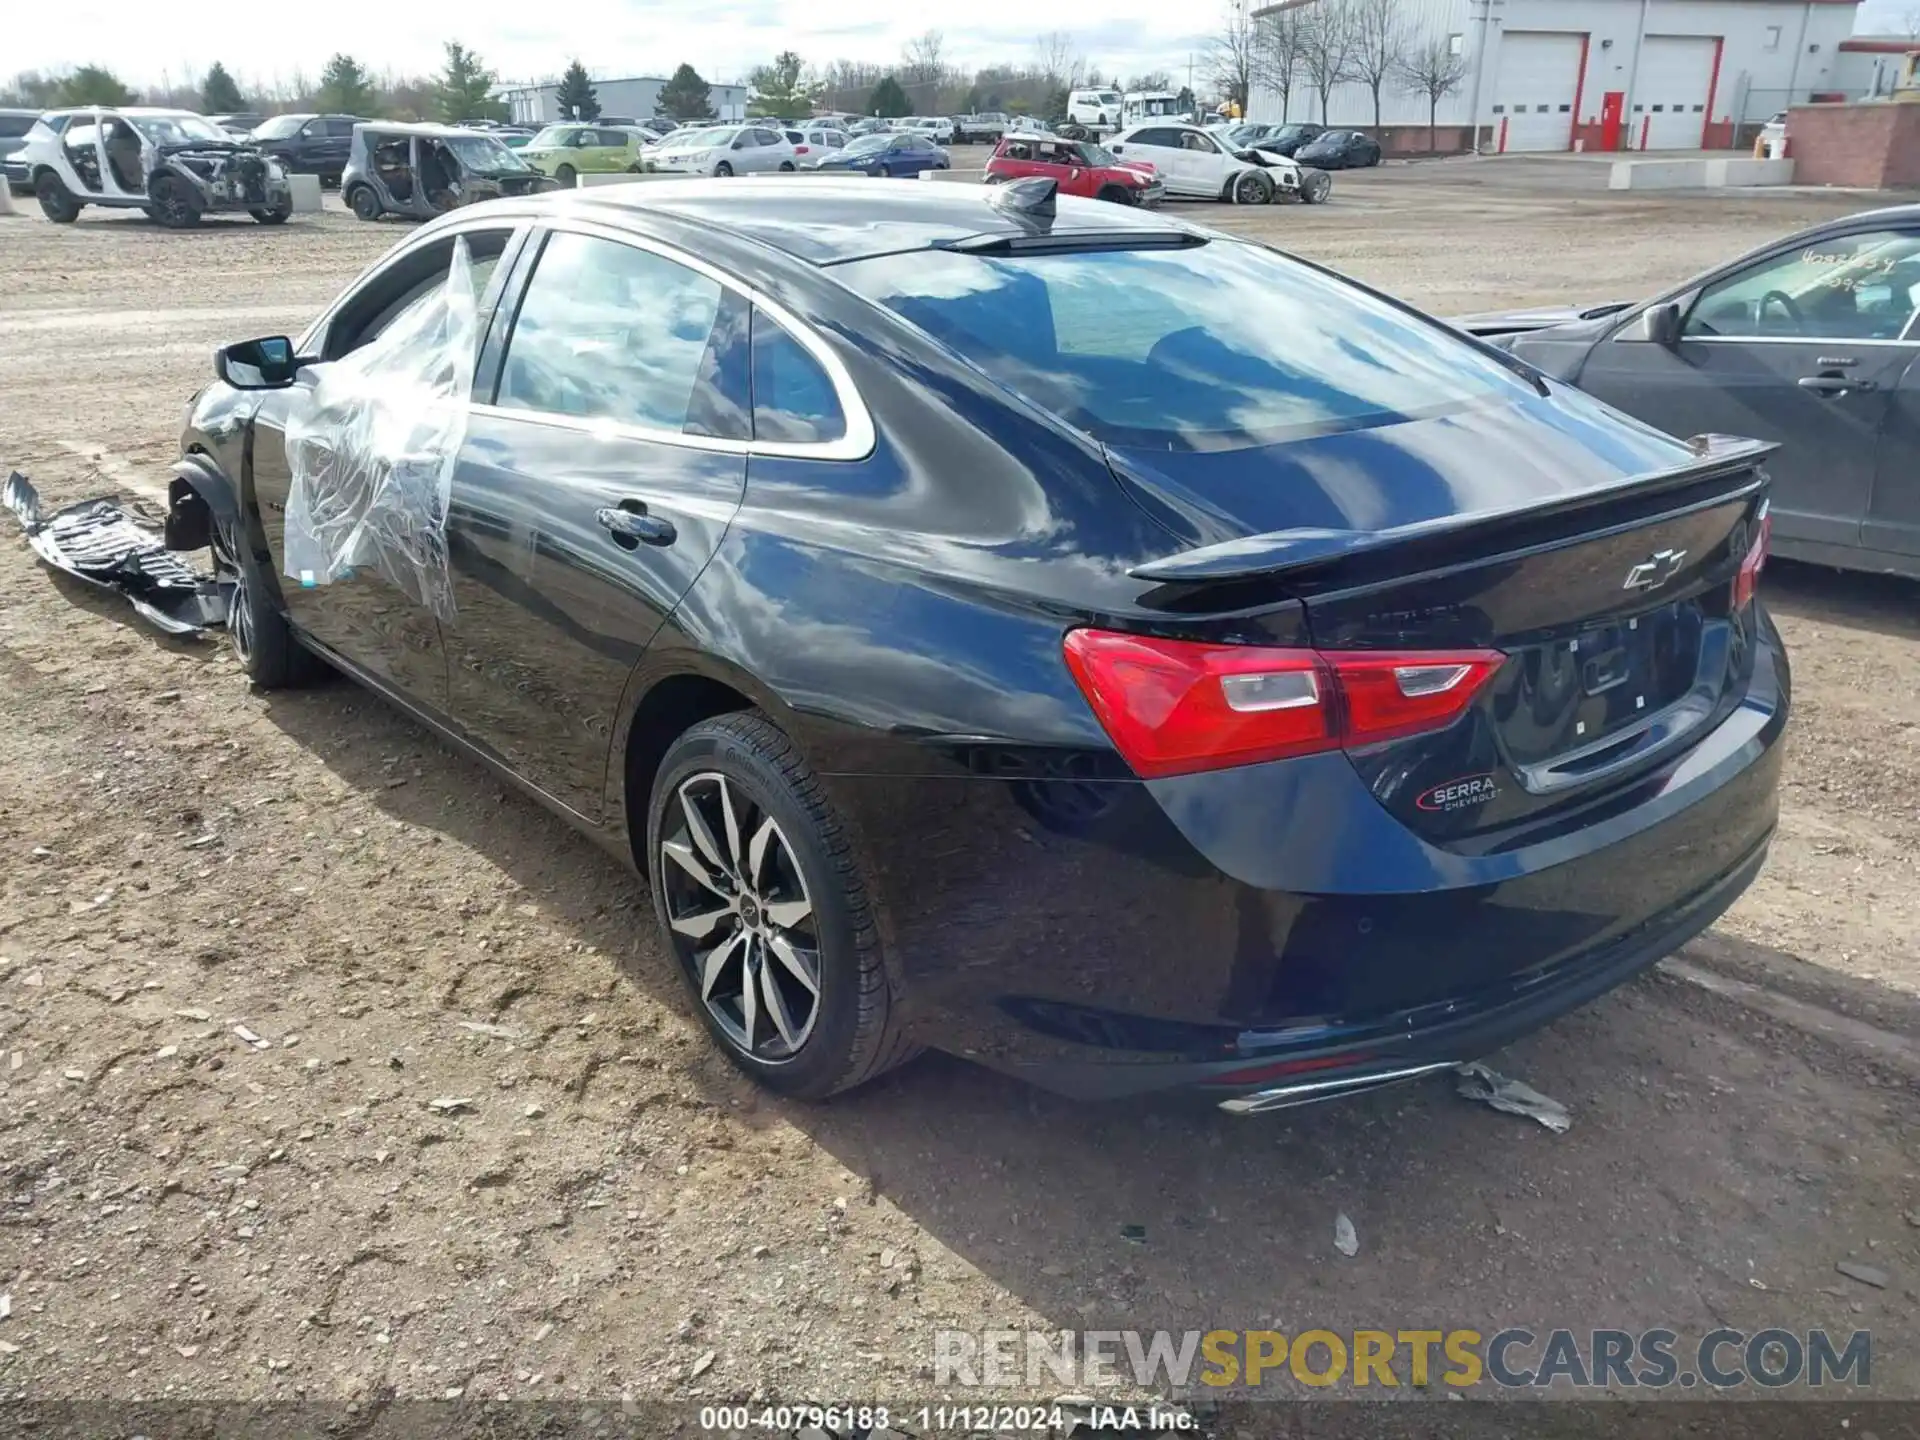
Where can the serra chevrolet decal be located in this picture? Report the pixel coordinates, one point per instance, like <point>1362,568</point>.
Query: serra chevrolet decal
<point>1458,794</point>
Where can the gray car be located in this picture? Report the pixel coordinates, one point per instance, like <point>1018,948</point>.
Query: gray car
<point>1810,341</point>
<point>727,150</point>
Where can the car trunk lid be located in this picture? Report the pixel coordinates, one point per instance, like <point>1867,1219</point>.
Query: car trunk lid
<point>1609,590</point>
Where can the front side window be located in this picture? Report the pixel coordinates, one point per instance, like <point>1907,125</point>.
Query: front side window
<point>280,127</point>
<point>1216,347</point>
<point>793,400</point>
<point>610,332</point>
<point>1856,287</point>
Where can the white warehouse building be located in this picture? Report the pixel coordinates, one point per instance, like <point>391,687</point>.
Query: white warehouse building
<point>637,96</point>
<point>1594,74</point>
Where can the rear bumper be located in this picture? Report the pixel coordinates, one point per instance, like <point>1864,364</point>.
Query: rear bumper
<point>1273,927</point>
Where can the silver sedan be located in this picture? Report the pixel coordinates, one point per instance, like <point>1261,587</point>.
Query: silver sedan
<point>726,150</point>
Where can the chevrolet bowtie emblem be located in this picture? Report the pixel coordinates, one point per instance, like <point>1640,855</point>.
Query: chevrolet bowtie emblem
<point>1654,571</point>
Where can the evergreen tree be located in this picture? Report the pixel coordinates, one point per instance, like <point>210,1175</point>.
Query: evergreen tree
<point>685,97</point>
<point>219,95</point>
<point>576,97</point>
<point>460,91</point>
<point>888,100</point>
<point>95,85</point>
<point>779,90</point>
<point>345,88</point>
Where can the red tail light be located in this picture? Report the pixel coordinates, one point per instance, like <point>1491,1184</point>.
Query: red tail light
<point>1176,706</point>
<point>799,149</point>
<point>1748,580</point>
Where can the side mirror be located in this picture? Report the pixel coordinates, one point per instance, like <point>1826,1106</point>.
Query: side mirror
<point>739,144</point>
<point>1663,325</point>
<point>268,364</point>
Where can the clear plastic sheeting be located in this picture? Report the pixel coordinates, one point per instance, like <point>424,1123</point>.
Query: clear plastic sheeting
<point>372,450</point>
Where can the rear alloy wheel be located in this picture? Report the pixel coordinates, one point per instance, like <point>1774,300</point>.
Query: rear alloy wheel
<point>57,202</point>
<point>567,176</point>
<point>722,170</point>
<point>1252,187</point>
<point>363,202</point>
<point>171,203</point>
<point>760,901</point>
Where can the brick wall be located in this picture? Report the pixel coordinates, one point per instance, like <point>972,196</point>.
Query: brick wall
<point>1872,146</point>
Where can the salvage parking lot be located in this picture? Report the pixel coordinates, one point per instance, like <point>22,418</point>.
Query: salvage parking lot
<point>485,1147</point>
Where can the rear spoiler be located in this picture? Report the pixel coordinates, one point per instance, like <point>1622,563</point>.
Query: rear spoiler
<point>1283,550</point>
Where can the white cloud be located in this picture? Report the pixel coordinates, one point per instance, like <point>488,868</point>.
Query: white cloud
<point>723,39</point>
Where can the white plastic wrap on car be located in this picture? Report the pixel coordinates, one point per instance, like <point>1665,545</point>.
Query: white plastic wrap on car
<point>373,448</point>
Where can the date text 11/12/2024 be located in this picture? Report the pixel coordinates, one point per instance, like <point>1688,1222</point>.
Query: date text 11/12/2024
<point>1148,1418</point>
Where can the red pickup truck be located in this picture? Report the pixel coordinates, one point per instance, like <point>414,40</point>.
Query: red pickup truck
<point>1080,167</point>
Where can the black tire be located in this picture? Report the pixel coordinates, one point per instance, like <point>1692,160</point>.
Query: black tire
<point>1315,186</point>
<point>567,176</point>
<point>1115,195</point>
<point>636,169</point>
<point>1251,187</point>
<point>172,203</point>
<point>276,215</point>
<point>363,202</point>
<point>786,167</point>
<point>722,170</point>
<point>258,633</point>
<point>852,1031</point>
<point>57,202</point>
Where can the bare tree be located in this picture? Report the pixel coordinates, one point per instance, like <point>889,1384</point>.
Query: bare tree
<point>1435,71</point>
<point>1326,47</point>
<point>925,58</point>
<point>1380,43</point>
<point>1277,53</point>
<point>1231,54</point>
<point>1910,23</point>
<point>1056,60</point>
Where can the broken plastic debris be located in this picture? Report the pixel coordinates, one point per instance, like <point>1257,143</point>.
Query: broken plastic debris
<point>371,449</point>
<point>1515,1097</point>
<point>1865,1274</point>
<point>100,542</point>
<point>252,1039</point>
<point>1345,1238</point>
<point>450,1104</point>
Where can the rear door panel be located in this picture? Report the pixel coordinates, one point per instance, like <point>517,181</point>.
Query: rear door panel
<point>556,600</point>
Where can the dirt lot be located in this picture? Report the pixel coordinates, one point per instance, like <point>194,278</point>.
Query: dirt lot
<point>610,1210</point>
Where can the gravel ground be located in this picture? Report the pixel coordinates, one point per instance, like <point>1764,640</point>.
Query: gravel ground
<point>481,1145</point>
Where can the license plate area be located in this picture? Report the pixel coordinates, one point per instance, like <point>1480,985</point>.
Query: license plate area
<point>1567,694</point>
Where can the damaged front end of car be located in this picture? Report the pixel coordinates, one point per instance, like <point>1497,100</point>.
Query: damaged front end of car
<point>189,180</point>
<point>1290,177</point>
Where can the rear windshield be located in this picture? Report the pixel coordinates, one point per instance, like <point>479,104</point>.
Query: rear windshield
<point>1217,347</point>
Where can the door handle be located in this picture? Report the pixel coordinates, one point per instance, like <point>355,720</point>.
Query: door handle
<point>1832,384</point>
<point>630,525</point>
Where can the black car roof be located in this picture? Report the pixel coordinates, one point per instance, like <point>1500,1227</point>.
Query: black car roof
<point>825,220</point>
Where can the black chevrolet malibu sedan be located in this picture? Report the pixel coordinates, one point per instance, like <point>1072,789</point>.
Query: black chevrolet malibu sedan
<point>1041,630</point>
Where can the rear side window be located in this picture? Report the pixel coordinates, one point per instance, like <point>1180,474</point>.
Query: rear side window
<point>793,400</point>
<point>611,332</point>
<point>1216,347</point>
<point>12,127</point>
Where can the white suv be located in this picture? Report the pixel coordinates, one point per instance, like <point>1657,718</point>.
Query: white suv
<point>173,164</point>
<point>1198,165</point>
